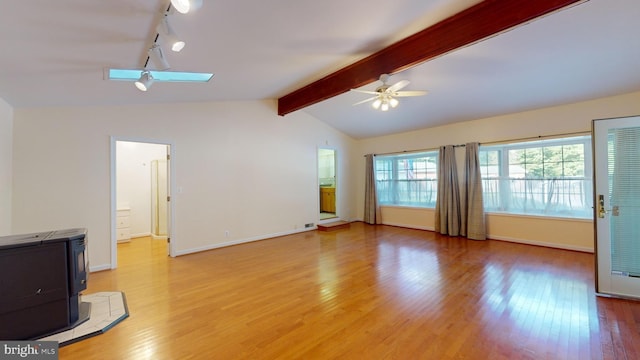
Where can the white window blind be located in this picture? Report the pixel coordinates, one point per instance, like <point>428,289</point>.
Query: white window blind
<point>624,195</point>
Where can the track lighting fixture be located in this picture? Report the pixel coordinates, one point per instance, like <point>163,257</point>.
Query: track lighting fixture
<point>158,72</point>
<point>157,56</point>
<point>185,6</point>
<point>170,37</point>
<point>145,81</point>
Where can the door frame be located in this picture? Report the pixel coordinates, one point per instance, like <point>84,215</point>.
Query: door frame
<point>113,200</point>
<point>335,175</point>
<point>607,286</point>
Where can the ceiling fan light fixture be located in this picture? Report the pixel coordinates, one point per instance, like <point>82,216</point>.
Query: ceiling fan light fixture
<point>186,6</point>
<point>385,94</point>
<point>145,81</point>
<point>169,35</point>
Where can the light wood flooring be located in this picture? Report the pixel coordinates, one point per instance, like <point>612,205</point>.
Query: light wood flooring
<point>369,292</point>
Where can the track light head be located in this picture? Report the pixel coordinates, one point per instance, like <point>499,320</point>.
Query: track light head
<point>185,6</point>
<point>157,56</point>
<point>169,35</point>
<point>145,81</point>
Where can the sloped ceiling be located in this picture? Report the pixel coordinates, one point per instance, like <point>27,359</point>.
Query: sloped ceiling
<point>54,54</point>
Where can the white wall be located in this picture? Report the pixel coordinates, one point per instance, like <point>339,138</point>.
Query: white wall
<point>241,168</point>
<point>6,154</point>
<point>133,185</point>
<point>577,235</point>
<point>224,163</point>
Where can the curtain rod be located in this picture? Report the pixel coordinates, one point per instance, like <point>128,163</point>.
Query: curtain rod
<point>539,137</point>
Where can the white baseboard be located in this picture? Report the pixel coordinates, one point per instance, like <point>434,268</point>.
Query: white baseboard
<point>99,268</point>
<point>140,235</point>
<point>509,239</point>
<point>542,243</point>
<point>295,231</point>
<point>242,241</point>
<point>409,226</point>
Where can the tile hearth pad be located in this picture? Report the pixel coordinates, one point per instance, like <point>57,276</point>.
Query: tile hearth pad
<point>107,310</point>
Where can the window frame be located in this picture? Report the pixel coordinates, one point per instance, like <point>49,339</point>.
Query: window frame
<point>394,194</point>
<point>503,191</point>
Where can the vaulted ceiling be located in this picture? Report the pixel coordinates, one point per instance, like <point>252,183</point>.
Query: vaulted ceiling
<point>54,54</point>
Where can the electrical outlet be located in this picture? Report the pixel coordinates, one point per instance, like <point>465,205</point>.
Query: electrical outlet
<point>226,233</point>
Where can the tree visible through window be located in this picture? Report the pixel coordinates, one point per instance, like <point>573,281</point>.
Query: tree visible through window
<point>546,177</point>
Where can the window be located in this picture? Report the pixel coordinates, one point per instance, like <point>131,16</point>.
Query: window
<point>545,177</point>
<point>407,180</point>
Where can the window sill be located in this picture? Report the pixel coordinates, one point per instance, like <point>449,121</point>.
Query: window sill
<point>541,217</point>
<point>407,207</point>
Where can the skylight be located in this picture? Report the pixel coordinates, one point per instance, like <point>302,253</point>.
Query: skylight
<point>166,76</point>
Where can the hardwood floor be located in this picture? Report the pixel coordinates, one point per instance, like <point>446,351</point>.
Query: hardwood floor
<point>370,292</point>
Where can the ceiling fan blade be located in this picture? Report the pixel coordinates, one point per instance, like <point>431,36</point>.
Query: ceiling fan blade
<point>366,100</point>
<point>409,93</point>
<point>366,92</point>
<point>397,86</point>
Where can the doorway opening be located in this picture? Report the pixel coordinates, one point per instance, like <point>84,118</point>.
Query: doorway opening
<point>140,194</point>
<point>327,184</point>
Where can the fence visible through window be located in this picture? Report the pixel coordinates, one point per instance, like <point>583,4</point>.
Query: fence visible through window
<point>545,177</point>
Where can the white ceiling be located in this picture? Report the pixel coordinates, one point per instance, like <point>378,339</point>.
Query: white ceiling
<point>53,53</point>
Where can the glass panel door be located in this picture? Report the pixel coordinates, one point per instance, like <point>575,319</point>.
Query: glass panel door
<point>617,203</point>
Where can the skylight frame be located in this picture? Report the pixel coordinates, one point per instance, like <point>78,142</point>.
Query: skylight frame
<point>158,76</point>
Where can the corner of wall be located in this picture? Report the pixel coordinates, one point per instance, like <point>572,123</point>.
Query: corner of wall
<point>6,166</point>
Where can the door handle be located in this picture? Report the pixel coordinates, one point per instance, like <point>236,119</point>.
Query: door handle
<point>615,211</point>
<point>601,210</point>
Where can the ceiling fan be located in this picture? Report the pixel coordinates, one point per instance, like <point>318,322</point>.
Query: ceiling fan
<point>385,94</point>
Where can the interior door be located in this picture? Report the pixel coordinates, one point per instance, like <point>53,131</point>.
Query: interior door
<point>167,205</point>
<point>159,204</point>
<point>617,219</point>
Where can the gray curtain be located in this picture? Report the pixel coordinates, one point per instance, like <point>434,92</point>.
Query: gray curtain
<point>473,220</point>
<point>372,213</point>
<point>448,217</point>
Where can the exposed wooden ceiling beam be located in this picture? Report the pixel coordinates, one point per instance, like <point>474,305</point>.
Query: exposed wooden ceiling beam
<point>474,24</point>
